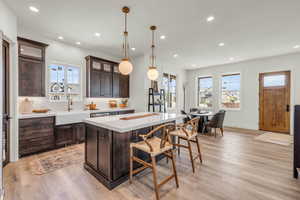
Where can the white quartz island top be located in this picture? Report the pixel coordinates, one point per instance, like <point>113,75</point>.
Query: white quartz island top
<point>114,123</point>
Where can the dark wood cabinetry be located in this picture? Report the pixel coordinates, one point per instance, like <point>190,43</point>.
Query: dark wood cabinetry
<point>31,68</point>
<point>104,80</point>
<point>36,135</point>
<point>296,141</point>
<point>69,134</point>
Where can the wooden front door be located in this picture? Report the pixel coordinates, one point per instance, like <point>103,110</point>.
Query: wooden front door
<point>5,98</point>
<point>274,102</point>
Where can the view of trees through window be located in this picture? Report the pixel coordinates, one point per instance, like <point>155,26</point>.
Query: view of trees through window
<point>169,85</point>
<point>205,89</point>
<point>230,94</point>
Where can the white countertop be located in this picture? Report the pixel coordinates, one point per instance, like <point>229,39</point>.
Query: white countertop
<point>115,124</point>
<point>72,112</point>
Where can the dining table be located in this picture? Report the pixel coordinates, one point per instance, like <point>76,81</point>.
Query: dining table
<point>203,115</point>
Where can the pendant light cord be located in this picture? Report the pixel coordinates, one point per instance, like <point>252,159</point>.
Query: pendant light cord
<point>125,44</point>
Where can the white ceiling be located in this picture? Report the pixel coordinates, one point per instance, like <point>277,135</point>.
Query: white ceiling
<point>249,28</point>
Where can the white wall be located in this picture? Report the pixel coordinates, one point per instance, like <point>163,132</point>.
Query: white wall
<point>248,116</point>
<point>8,31</point>
<point>139,82</point>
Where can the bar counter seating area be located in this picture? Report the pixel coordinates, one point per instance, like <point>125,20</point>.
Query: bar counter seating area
<point>118,147</point>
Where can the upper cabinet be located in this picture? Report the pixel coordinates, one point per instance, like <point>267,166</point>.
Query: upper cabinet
<point>31,68</point>
<point>104,80</point>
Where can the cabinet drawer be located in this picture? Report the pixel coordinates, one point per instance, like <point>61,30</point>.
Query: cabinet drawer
<point>36,123</point>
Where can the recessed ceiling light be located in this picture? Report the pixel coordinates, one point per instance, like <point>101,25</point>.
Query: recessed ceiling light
<point>231,58</point>
<point>133,49</point>
<point>162,37</point>
<point>175,55</point>
<point>60,37</point>
<point>78,43</point>
<point>193,65</point>
<point>221,44</point>
<point>210,18</point>
<point>34,9</point>
<point>97,34</point>
<point>296,46</point>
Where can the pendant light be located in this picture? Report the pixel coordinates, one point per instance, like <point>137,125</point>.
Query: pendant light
<point>152,72</point>
<point>125,67</point>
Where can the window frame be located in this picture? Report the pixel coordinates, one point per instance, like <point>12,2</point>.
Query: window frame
<point>66,65</point>
<point>197,87</point>
<point>220,90</point>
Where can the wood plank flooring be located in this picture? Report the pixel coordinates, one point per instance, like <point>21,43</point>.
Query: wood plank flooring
<point>235,167</point>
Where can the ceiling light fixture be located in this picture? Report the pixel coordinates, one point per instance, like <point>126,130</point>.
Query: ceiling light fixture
<point>152,72</point>
<point>125,67</point>
<point>162,37</point>
<point>221,44</point>
<point>296,46</point>
<point>78,43</point>
<point>34,9</point>
<point>193,65</point>
<point>231,58</point>
<point>97,34</point>
<point>133,49</point>
<point>60,37</point>
<point>175,55</point>
<point>210,18</point>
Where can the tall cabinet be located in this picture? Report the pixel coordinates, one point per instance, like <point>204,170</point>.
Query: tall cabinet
<point>104,79</point>
<point>31,68</point>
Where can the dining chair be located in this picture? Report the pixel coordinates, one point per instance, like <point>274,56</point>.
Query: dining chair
<point>216,122</point>
<point>154,146</point>
<point>188,132</point>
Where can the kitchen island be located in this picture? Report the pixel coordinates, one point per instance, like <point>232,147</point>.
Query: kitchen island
<point>108,139</point>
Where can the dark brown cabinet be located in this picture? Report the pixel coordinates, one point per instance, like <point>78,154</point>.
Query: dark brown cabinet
<point>36,135</point>
<point>69,134</point>
<point>104,80</point>
<point>31,68</point>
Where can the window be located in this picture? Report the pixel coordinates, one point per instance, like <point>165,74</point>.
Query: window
<point>205,89</point>
<point>169,85</point>
<point>274,80</point>
<point>63,80</point>
<point>230,94</point>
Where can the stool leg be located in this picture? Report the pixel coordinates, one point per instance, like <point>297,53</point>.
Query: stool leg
<point>198,147</point>
<point>178,146</point>
<point>131,164</point>
<point>174,169</point>
<point>155,177</point>
<point>222,130</point>
<point>191,155</point>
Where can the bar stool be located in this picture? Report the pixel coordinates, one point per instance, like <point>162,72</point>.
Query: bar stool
<point>188,132</point>
<point>154,146</point>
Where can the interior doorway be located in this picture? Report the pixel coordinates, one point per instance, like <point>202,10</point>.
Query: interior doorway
<point>5,100</point>
<point>274,101</point>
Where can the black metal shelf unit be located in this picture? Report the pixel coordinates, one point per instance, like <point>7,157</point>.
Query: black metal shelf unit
<point>152,100</point>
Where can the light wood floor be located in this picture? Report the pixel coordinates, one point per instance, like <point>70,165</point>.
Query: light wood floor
<point>235,167</point>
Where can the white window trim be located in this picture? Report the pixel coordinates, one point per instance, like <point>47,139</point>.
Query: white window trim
<point>197,87</point>
<point>65,65</point>
<point>220,91</point>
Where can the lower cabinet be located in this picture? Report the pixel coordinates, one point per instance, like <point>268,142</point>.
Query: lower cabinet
<point>69,134</point>
<point>36,135</point>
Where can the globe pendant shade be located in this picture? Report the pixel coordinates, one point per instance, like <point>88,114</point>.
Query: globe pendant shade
<point>152,73</point>
<point>125,67</point>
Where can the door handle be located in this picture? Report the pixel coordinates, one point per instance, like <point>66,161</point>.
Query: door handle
<point>288,108</point>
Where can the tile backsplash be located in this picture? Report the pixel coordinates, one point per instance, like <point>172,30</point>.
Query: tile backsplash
<point>44,103</point>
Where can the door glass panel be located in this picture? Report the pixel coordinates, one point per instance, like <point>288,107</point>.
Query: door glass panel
<point>31,51</point>
<point>107,67</point>
<point>97,65</point>
<point>116,69</point>
<point>274,81</point>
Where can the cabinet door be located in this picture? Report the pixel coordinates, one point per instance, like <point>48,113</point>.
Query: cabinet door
<point>64,135</point>
<point>104,152</point>
<point>79,132</point>
<point>95,83</point>
<point>124,86</point>
<point>106,84</point>
<point>31,78</point>
<point>91,146</point>
<point>116,85</point>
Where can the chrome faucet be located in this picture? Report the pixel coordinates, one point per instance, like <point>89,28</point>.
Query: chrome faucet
<point>70,102</point>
